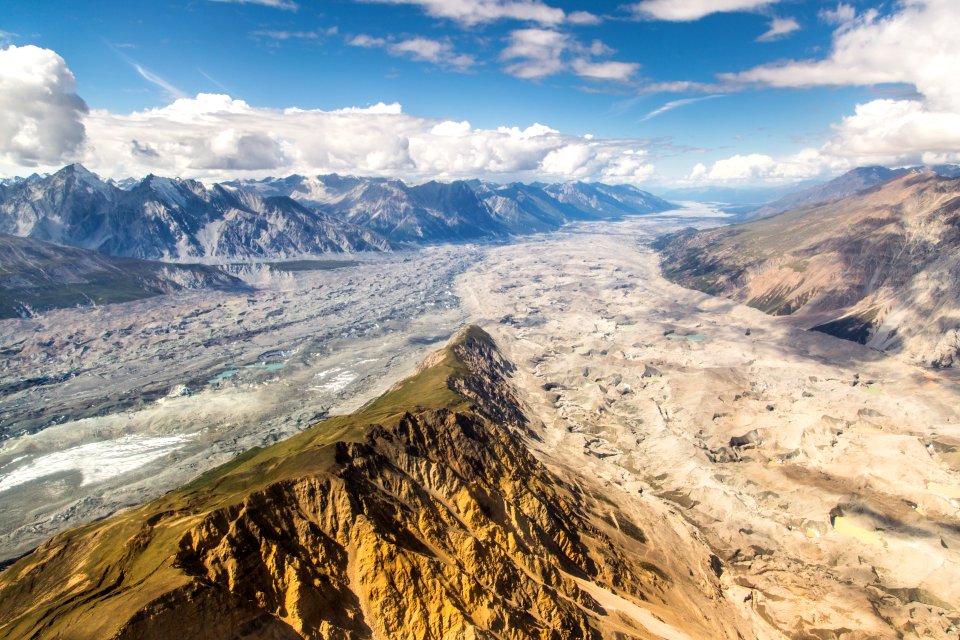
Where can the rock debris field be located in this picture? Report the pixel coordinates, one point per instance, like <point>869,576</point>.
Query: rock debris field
<point>824,475</point>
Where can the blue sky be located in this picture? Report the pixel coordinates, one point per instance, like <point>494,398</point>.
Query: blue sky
<point>505,63</point>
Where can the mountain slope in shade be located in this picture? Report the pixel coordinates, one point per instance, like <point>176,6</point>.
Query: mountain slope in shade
<point>594,200</point>
<point>422,516</point>
<point>850,183</point>
<point>163,218</point>
<point>881,267</point>
<point>37,276</point>
<point>174,219</point>
<point>458,210</point>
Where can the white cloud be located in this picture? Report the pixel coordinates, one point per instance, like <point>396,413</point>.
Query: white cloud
<point>607,70</point>
<point>439,52</point>
<point>885,132</point>
<point>294,35</point>
<point>214,137</point>
<point>363,40</point>
<point>583,18</point>
<point>675,104</point>
<point>779,28</point>
<point>473,12</point>
<point>41,116</point>
<point>602,160</point>
<point>758,167</point>
<point>287,5</point>
<point>689,10</point>
<point>843,14</point>
<point>915,45</point>
<point>537,53</point>
<point>899,131</point>
<point>153,78</point>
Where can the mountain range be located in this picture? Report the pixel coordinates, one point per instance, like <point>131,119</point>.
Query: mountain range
<point>176,219</point>
<point>880,267</point>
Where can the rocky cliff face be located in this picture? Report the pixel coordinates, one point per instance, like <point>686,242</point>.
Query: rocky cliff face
<point>422,516</point>
<point>881,267</point>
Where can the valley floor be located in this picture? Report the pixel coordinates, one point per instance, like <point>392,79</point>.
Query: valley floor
<point>839,508</point>
<point>102,408</point>
<point>842,510</point>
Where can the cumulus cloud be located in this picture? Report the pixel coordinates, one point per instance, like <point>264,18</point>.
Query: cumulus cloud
<point>215,137</point>
<point>439,52</point>
<point>689,10</point>
<point>779,28</point>
<point>758,167</point>
<point>607,161</point>
<point>912,45</point>
<point>41,116</point>
<point>897,131</point>
<point>537,53</point>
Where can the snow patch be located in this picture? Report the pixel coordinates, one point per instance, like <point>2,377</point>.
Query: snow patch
<point>96,461</point>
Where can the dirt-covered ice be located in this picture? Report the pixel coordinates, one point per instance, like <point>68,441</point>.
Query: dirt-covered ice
<point>823,474</point>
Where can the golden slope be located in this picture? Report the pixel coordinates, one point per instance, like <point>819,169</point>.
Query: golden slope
<point>423,515</point>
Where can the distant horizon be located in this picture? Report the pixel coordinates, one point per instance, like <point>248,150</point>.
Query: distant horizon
<point>779,187</point>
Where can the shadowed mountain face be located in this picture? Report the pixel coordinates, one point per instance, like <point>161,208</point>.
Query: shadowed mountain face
<point>881,267</point>
<point>36,276</point>
<point>163,218</point>
<point>421,516</point>
<point>850,183</point>
<point>459,210</point>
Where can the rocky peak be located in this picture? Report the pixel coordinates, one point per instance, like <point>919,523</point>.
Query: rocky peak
<point>422,516</point>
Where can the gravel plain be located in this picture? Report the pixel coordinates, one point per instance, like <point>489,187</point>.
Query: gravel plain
<point>102,408</point>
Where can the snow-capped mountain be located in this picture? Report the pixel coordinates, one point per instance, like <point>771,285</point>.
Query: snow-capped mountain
<point>458,210</point>
<point>172,219</point>
<point>177,219</point>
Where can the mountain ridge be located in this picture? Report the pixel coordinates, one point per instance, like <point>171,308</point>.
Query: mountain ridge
<point>878,267</point>
<point>37,276</point>
<point>171,219</point>
<point>423,515</point>
<point>182,219</point>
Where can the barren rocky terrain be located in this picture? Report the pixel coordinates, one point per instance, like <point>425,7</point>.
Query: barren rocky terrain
<point>106,407</point>
<point>824,475</point>
<point>795,484</point>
